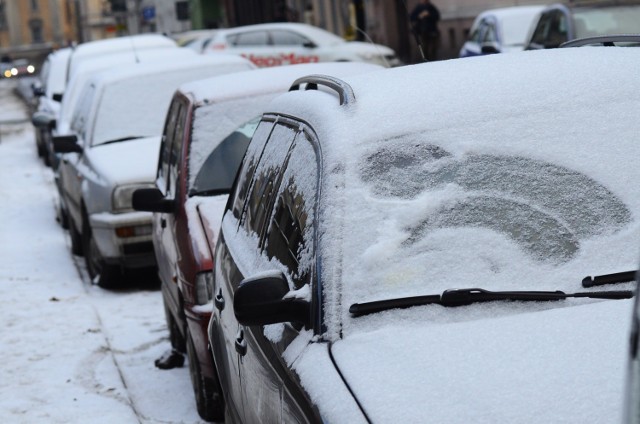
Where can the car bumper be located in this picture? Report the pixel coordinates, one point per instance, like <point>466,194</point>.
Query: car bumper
<point>124,239</point>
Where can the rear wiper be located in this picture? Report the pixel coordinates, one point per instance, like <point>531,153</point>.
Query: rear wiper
<point>461,297</point>
<point>616,277</point>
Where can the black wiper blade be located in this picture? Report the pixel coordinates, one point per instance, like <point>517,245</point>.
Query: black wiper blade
<point>461,297</point>
<point>117,140</point>
<point>615,278</point>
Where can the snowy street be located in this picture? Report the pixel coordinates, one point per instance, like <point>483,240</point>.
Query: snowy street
<point>71,351</point>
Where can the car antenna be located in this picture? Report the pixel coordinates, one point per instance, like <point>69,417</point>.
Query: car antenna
<point>374,45</point>
<point>415,35</point>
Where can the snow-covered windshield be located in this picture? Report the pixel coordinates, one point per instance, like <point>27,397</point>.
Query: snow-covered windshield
<point>138,106</point>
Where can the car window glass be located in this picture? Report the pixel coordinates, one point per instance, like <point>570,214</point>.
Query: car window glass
<point>606,20</point>
<point>542,29</point>
<point>475,33</point>
<point>220,168</point>
<point>290,233</point>
<point>557,30</point>
<point>167,139</point>
<point>253,38</point>
<point>490,34</point>
<point>80,116</point>
<point>267,178</point>
<point>287,38</point>
<point>249,163</point>
<point>175,152</point>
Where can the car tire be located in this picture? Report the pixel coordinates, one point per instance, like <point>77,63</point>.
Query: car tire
<point>105,275</point>
<point>76,238</point>
<point>175,335</point>
<point>62,217</point>
<point>207,391</point>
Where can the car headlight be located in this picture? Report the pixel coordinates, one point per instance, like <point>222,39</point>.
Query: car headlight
<point>121,198</point>
<point>204,287</point>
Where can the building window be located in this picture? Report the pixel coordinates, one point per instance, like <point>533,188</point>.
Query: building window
<point>36,30</point>
<point>3,18</point>
<point>34,5</point>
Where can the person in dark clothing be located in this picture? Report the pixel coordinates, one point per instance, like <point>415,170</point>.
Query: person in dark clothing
<point>424,20</point>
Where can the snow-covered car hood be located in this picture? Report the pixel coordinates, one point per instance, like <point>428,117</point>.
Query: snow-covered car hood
<point>125,162</point>
<point>556,365</point>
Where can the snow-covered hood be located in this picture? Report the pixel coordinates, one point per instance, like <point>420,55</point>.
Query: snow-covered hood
<point>557,365</point>
<point>125,162</point>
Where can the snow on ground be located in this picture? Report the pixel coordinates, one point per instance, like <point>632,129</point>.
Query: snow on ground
<point>71,352</point>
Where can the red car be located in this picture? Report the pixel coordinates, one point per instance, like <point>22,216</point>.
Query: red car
<point>207,130</point>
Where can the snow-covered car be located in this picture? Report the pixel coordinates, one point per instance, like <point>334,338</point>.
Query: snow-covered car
<point>215,119</point>
<point>109,155</point>
<point>52,80</point>
<point>275,44</point>
<point>377,263</point>
<point>562,22</point>
<point>500,30</point>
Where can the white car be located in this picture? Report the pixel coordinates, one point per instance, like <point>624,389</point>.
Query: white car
<point>500,30</point>
<point>277,44</point>
<point>109,155</point>
<point>378,262</point>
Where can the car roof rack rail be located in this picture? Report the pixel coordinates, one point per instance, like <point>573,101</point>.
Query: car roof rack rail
<point>312,82</point>
<point>605,40</point>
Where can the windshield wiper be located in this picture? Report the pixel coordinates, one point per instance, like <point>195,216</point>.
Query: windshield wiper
<point>615,278</point>
<point>461,297</point>
<point>117,140</point>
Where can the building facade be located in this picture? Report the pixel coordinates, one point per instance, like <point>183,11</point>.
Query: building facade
<point>32,28</point>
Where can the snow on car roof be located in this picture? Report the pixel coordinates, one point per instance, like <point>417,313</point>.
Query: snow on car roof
<point>426,139</point>
<point>133,42</point>
<point>232,99</point>
<point>86,69</point>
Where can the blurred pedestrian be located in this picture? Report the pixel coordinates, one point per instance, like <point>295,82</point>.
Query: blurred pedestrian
<point>424,21</point>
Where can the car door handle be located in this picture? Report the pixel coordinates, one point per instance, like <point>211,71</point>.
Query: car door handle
<point>218,300</point>
<point>241,343</point>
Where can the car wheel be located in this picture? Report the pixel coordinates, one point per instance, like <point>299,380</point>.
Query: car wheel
<point>207,391</point>
<point>175,336</point>
<point>105,275</point>
<point>76,238</point>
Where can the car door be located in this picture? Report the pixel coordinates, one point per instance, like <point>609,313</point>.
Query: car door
<point>233,242</point>
<point>71,165</point>
<point>164,223</point>
<point>270,389</point>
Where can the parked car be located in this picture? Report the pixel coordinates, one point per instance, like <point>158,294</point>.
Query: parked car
<point>500,30</point>
<point>208,127</point>
<point>109,155</point>
<point>52,80</point>
<point>377,263</point>
<point>17,68</point>
<point>275,44</point>
<point>562,22</point>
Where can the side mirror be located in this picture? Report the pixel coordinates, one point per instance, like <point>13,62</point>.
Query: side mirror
<point>309,45</point>
<point>43,120</point>
<point>56,97</point>
<point>37,91</point>
<point>151,200</point>
<point>66,144</point>
<point>262,300</point>
<point>490,48</point>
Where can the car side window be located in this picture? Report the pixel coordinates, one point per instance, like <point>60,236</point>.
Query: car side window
<point>542,29</point>
<point>175,151</point>
<point>290,233</point>
<point>252,38</point>
<point>80,115</point>
<point>490,35</point>
<point>165,146</point>
<point>248,167</point>
<point>557,30</point>
<point>267,178</point>
<point>287,38</point>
